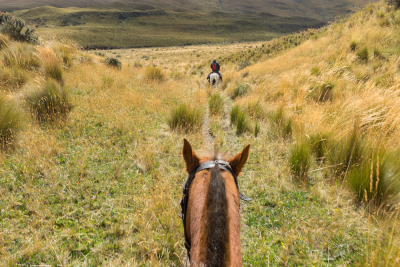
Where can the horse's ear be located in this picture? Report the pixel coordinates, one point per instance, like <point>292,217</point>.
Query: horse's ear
<point>191,159</point>
<point>237,162</point>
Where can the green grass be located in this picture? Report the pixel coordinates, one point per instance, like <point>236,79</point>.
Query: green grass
<point>377,180</point>
<point>300,160</point>
<point>10,123</point>
<point>216,103</point>
<point>240,90</point>
<point>185,117</point>
<point>102,28</point>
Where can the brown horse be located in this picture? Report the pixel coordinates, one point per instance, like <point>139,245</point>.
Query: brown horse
<point>211,213</point>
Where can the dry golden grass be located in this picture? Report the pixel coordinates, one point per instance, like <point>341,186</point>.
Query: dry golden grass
<point>104,188</point>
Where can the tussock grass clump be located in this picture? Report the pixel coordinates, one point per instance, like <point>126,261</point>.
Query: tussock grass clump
<point>315,71</point>
<point>225,83</point>
<point>12,78</point>
<point>256,129</point>
<point>240,90</point>
<point>215,103</point>
<point>240,120</point>
<point>154,74</point>
<point>282,124</point>
<point>21,56</point>
<point>65,52</point>
<point>50,103</point>
<point>319,144</point>
<point>185,117</point>
<point>255,109</point>
<point>323,92</point>
<point>353,45</point>
<point>346,153</point>
<point>113,62</point>
<point>363,54</point>
<point>4,39</point>
<point>10,123</point>
<point>300,160</point>
<point>50,63</point>
<point>377,180</point>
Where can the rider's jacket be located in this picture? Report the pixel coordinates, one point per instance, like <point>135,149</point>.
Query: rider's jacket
<point>215,66</point>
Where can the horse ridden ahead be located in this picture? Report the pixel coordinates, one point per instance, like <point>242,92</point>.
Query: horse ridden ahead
<point>210,208</point>
<point>215,76</point>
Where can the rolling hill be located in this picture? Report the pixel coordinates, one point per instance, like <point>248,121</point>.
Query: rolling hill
<point>119,24</point>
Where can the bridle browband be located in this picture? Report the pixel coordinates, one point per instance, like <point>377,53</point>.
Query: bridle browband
<point>221,164</point>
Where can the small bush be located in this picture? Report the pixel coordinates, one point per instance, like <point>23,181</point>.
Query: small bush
<point>377,180</point>
<point>240,90</point>
<point>17,29</point>
<point>10,124</point>
<point>49,103</point>
<point>300,160</point>
<point>363,54</point>
<point>380,13</point>
<point>347,153</point>
<point>243,64</point>
<point>215,103</point>
<point>154,74</point>
<point>113,62</point>
<point>353,45</point>
<point>186,118</point>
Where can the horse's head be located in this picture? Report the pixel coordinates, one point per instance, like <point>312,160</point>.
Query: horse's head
<point>211,209</point>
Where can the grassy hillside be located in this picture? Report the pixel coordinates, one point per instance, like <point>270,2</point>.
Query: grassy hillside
<point>154,23</point>
<point>102,187</point>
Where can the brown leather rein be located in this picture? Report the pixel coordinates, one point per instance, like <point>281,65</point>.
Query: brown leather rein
<point>221,164</point>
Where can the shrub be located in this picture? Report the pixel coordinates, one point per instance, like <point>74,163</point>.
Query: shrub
<point>347,153</point>
<point>243,64</point>
<point>215,103</point>
<point>300,160</point>
<point>17,29</point>
<point>50,63</point>
<point>186,118</point>
<point>363,54</point>
<point>10,124</point>
<point>154,74</point>
<point>49,103</point>
<point>240,90</point>
<point>113,62</point>
<point>377,180</point>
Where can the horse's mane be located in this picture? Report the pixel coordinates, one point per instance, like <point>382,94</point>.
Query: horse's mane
<point>217,224</point>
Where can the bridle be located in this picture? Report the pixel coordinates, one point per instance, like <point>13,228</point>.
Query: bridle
<point>221,164</point>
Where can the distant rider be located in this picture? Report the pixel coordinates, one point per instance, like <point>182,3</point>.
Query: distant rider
<point>215,68</point>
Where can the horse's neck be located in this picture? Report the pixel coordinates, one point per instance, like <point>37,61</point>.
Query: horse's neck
<point>196,223</point>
